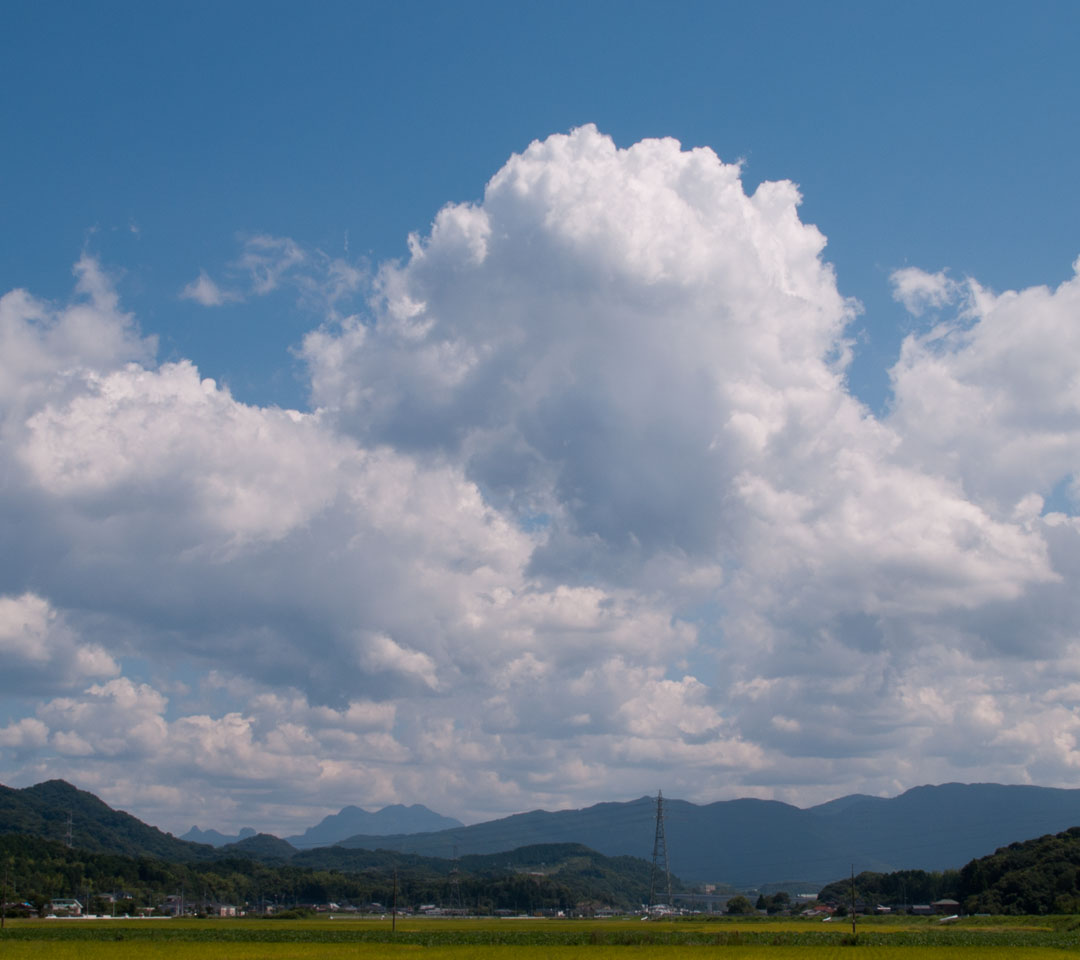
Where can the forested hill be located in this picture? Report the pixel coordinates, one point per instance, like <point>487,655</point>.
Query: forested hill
<point>1031,877</point>
<point>609,879</point>
<point>45,810</point>
<point>1039,876</point>
<point>560,877</point>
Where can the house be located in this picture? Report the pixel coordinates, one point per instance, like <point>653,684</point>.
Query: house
<point>945,906</point>
<point>65,908</point>
<point>172,907</point>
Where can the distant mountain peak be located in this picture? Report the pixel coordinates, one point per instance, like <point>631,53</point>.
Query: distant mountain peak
<point>391,820</point>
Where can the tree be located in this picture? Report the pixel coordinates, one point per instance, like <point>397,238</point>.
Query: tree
<point>739,906</point>
<point>778,902</point>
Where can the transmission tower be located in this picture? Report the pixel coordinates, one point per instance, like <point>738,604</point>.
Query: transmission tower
<point>68,837</point>
<point>659,855</point>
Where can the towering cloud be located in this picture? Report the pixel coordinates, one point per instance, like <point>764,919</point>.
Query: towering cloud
<point>583,504</point>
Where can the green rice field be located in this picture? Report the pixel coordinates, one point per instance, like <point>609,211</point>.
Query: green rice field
<point>1017,938</point>
<point>206,950</point>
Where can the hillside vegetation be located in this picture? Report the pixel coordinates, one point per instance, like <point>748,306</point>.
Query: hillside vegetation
<point>1031,877</point>
<point>562,877</point>
<point>44,810</point>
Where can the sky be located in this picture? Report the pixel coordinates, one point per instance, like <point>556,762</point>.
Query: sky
<point>512,406</point>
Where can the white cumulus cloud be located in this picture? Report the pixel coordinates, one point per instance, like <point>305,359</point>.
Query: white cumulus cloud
<point>583,502</point>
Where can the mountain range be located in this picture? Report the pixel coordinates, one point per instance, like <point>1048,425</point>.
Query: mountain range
<point>749,843</point>
<point>745,843</point>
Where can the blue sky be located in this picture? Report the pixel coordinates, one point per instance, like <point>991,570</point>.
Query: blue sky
<point>921,134</point>
<point>459,404</point>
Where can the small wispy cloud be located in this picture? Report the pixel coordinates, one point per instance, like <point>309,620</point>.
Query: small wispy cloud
<point>205,291</point>
<point>920,291</point>
<point>267,264</point>
<point>267,259</point>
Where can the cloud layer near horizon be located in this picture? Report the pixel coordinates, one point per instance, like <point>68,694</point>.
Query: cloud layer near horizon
<point>584,508</point>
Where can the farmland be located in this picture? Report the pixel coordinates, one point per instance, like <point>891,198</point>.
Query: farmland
<point>1024,938</point>
<point>205,950</point>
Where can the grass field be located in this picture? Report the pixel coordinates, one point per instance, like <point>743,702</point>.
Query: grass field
<point>1016,938</point>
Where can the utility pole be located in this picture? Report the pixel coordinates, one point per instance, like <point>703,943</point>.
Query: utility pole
<point>659,854</point>
<point>455,884</point>
<point>393,908</point>
<point>853,899</point>
<point>3,898</point>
